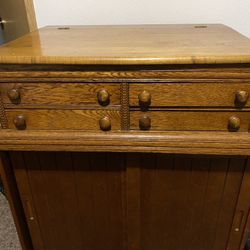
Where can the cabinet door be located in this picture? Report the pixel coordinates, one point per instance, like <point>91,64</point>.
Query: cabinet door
<point>99,201</point>
<point>182,202</point>
<point>72,200</point>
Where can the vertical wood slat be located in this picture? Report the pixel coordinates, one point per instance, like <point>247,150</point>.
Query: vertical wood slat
<point>231,190</point>
<point>76,199</point>
<point>133,201</point>
<point>82,175</point>
<point>68,198</point>
<point>184,168</point>
<point>241,221</point>
<point>14,201</point>
<point>196,203</point>
<point>188,203</point>
<point>25,190</point>
<point>45,197</point>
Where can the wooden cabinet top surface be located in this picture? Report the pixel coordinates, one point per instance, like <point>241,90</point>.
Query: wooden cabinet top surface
<point>129,44</point>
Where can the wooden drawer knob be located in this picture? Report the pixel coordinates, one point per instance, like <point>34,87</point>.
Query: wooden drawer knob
<point>144,98</point>
<point>14,95</point>
<point>145,123</point>
<point>103,97</point>
<point>241,97</point>
<point>20,122</point>
<point>105,123</point>
<point>234,123</point>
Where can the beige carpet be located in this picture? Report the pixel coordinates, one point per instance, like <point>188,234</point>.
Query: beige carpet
<point>8,235</point>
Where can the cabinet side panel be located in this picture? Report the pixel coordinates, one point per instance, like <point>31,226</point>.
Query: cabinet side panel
<point>14,201</point>
<point>22,178</point>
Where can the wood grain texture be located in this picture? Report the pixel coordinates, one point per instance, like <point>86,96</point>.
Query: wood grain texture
<point>185,201</point>
<point>60,93</point>
<point>180,142</point>
<point>169,200</point>
<point>64,119</point>
<point>126,189</point>
<point>189,120</point>
<point>141,44</point>
<point>8,178</point>
<point>241,222</point>
<point>76,197</point>
<point>189,94</point>
<point>27,197</point>
<point>109,73</point>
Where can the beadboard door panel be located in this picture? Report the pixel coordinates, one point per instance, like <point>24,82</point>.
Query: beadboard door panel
<point>76,199</point>
<point>118,201</point>
<point>187,203</point>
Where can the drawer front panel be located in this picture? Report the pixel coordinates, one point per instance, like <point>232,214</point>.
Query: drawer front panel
<point>64,119</point>
<point>190,120</point>
<point>190,94</point>
<point>60,93</point>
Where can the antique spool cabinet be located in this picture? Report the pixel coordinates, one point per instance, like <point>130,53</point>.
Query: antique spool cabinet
<point>127,137</point>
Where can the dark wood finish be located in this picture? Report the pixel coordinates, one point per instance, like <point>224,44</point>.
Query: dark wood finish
<point>105,123</point>
<point>20,122</point>
<point>241,97</point>
<point>145,122</point>
<point>135,139</point>
<point>14,95</point>
<point>103,97</point>
<point>77,197</point>
<point>186,203</point>
<point>234,123</point>
<point>100,201</point>
<point>8,178</point>
<point>241,221</point>
<point>144,98</point>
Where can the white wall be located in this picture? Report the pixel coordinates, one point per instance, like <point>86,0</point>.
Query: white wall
<point>235,13</point>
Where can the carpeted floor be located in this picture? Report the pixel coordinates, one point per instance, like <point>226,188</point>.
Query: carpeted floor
<point>8,235</point>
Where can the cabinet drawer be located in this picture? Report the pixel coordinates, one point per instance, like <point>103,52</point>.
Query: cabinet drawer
<point>62,119</point>
<point>189,120</point>
<point>192,94</point>
<point>59,93</point>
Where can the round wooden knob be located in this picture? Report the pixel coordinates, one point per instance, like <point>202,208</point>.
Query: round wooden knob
<point>234,123</point>
<point>105,123</point>
<point>145,123</point>
<point>103,97</point>
<point>20,122</point>
<point>14,95</point>
<point>241,97</point>
<point>144,98</point>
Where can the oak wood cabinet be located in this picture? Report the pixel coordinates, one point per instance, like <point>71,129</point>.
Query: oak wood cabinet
<point>127,137</point>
